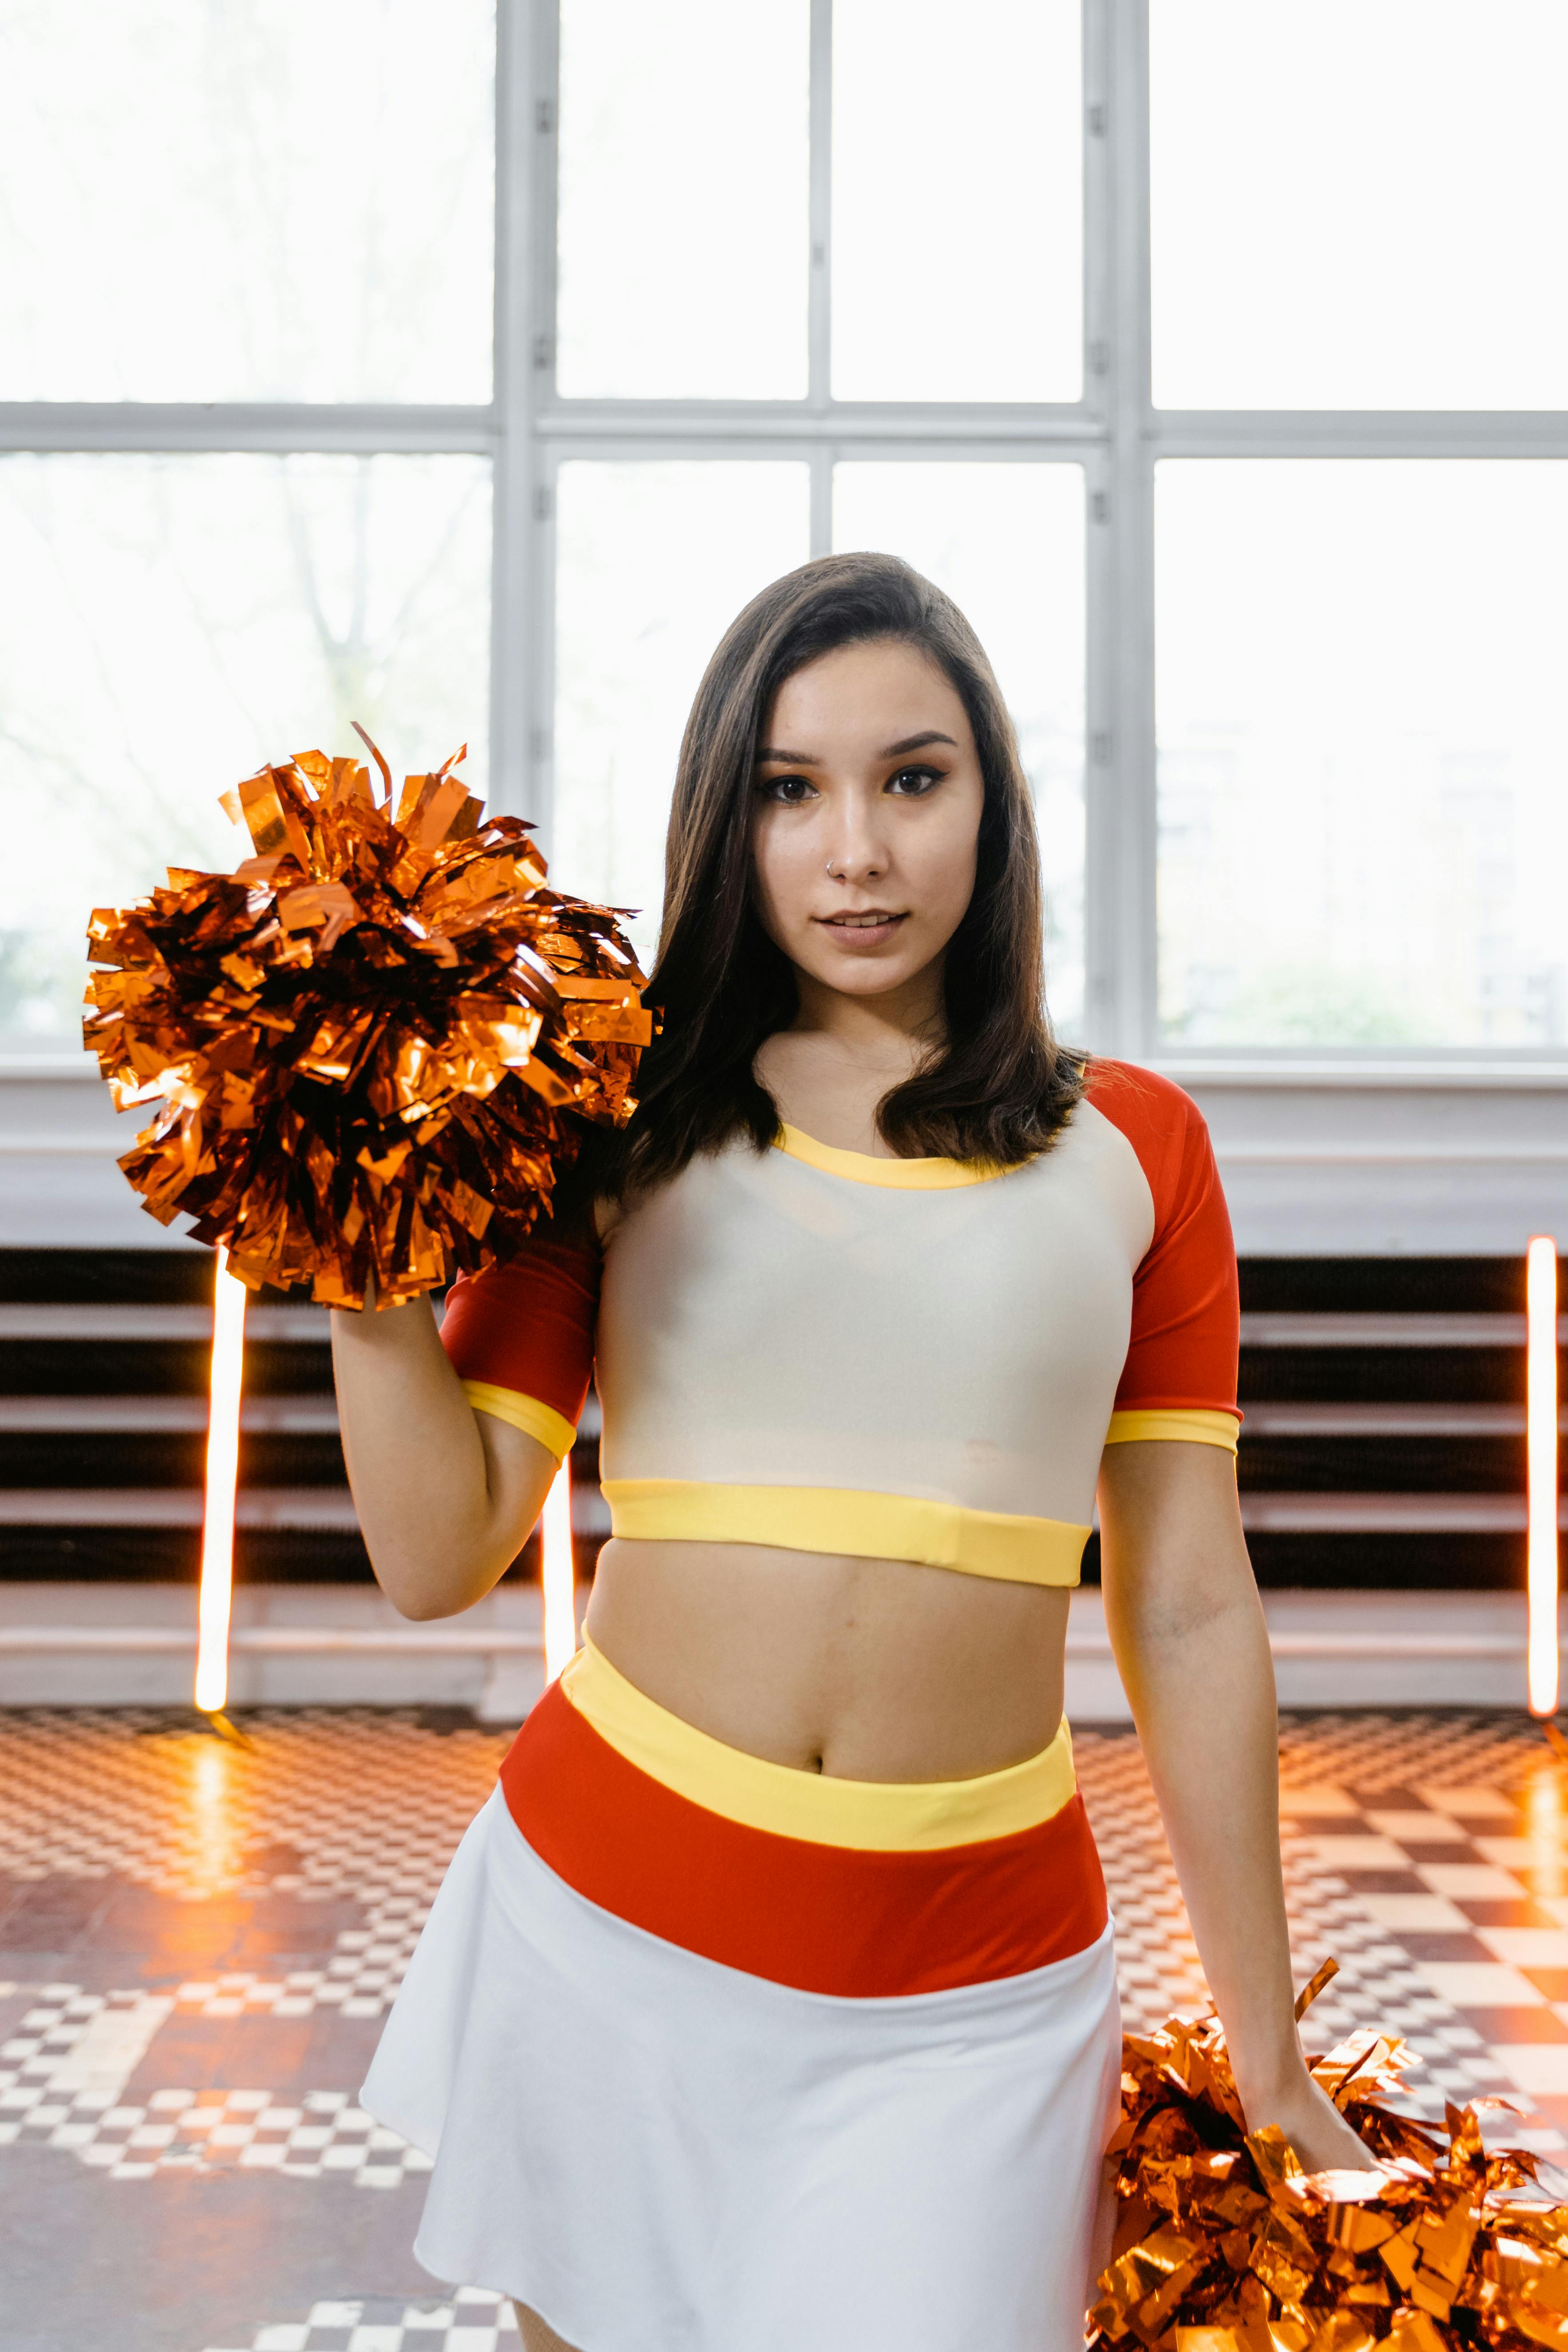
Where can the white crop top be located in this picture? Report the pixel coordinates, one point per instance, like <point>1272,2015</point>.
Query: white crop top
<point>915,1359</point>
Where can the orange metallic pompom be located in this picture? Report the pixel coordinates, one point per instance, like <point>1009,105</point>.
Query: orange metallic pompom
<point>1225,2244</point>
<point>366,1038</point>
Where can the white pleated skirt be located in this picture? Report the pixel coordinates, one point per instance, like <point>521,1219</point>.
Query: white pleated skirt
<point>658,2153</point>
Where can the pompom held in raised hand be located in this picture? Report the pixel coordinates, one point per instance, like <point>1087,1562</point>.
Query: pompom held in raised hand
<point>366,1039</point>
<point>1224,2244</point>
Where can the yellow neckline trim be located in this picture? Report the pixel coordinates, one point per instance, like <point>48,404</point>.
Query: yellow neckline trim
<point>872,1816</point>
<point>897,1175</point>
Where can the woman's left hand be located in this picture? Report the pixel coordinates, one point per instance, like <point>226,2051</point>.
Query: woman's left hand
<point>1313,2126</point>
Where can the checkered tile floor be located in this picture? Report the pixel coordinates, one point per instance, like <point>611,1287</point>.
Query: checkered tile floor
<point>1428,1855</point>
<point>62,2076</point>
<point>473,2321</point>
<point>221,1928</point>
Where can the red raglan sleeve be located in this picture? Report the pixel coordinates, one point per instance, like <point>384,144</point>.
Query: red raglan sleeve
<point>522,1335</point>
<point>1180,1377</point>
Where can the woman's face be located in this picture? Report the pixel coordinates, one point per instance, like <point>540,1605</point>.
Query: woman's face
<point>865,816</point>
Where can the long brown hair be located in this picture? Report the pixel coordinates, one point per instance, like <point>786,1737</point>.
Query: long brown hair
<point>1000,1088</point>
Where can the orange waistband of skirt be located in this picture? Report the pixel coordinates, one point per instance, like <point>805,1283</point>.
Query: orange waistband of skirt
<point>854,1921</point>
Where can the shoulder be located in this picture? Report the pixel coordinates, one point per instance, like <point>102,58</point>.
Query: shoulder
<point>1166,1130</point>
<point>1159,1118</point>
<point>562,1249</point>
<point>1126,1092</point>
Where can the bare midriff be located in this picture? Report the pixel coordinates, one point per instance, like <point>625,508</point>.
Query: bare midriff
<point>864,1669</point>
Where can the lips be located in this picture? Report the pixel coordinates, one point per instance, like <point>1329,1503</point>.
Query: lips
<point>870,928</point>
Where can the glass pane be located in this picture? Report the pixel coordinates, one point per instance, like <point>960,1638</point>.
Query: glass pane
<point>654,562</point>
<point>1363,777</point>
<point>166,624</point>
<point>1007,542</point>
<point>957,200</point>
<point>685,217</point>
<point>264,201</point>
<point>1358,206</point>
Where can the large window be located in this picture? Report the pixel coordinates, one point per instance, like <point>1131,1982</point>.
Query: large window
<point>237,246</point>
<point>1358,217</point>
<point>463,374</point>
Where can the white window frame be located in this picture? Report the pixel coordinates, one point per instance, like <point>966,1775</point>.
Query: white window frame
<point>1115,433</point>
<point>818,431</point>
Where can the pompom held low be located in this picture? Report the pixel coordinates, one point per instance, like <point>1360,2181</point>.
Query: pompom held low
<point>1225,2243</point>
<point>370,1041</point>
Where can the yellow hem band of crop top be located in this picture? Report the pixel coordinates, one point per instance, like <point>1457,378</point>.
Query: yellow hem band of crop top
<point>1197,1427</point>
<point>898,1175</point>
<point>840,1520</point>
<point>873,1816</point>
<point>531,1414</point>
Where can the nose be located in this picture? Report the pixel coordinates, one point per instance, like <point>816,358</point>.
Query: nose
<point>857,852</point>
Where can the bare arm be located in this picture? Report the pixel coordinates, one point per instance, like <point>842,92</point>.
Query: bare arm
<point>446,1496</point>
<point>1189,1636</point>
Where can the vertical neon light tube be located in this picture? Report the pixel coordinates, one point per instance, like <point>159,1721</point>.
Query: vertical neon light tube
<point>223,1476</point>
<point>1541,1423</point>
<point>558,1574</point>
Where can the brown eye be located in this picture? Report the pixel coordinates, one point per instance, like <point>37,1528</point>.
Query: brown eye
<point>792,791</point>
<point>912,784</point>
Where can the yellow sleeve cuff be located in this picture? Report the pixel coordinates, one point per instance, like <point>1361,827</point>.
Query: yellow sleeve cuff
<point>531,1414</point>
<point>1198,1428</point>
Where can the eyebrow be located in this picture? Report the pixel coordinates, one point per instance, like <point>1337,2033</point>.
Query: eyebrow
<point>889,750</point>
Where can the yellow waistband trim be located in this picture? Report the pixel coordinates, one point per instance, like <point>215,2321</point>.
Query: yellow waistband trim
<point>1198,1428</point>
<point>898,1175</point>
<point>531,1414</point>
<point>874,1816</point>
<point>839,1519</point>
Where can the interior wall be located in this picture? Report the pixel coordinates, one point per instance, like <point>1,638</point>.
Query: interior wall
<point>1319,1159</point>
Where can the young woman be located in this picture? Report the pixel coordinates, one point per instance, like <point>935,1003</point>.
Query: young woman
<point>769,2004</point>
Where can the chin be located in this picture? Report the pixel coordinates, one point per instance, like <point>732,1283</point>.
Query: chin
<point>867,974</point>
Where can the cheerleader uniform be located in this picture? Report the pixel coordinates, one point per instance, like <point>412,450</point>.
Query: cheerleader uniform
<point>713,2053</point>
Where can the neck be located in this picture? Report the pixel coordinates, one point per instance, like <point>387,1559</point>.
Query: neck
<point>891,1028</point>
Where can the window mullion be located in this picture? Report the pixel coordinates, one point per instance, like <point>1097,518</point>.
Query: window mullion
<point>203,427</point>
<point>1359,433</point>
<point>819,318</point>
<point>525,215</point>
<point>821,455</point>
<point>1119,914</point>
<point>1099,581</point>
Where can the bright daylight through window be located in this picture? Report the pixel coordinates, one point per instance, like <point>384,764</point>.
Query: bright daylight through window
<point>1257,516</point>
<point>1362,772</point>
<point>172,613</point>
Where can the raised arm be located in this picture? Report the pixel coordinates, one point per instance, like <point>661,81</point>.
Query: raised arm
<point>452,1436</point>
<point>1188,1632</point>
<point>445,1495</point>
